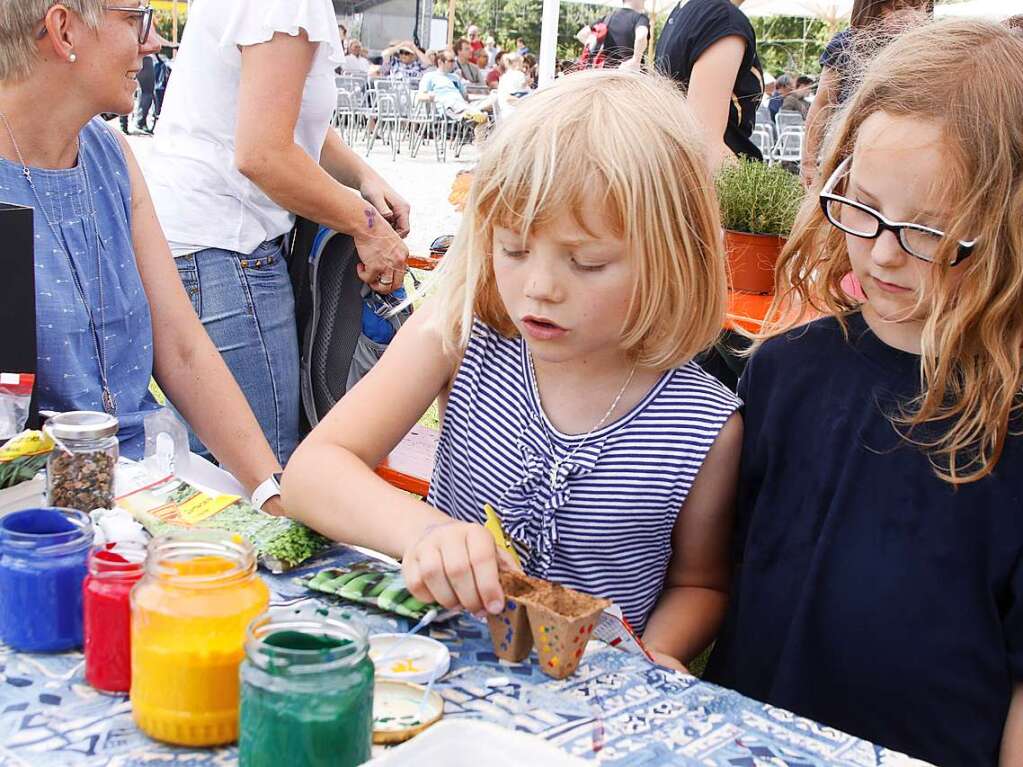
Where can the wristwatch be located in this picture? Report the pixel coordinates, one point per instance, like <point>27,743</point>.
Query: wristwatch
<point>268,488</point>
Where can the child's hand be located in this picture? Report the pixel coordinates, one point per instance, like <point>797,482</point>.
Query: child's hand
<point>667,661</point>
<point>456,563</point>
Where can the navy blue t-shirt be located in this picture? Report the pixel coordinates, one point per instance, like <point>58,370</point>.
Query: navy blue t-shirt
<point>837,56</point>
<point>869,594</point>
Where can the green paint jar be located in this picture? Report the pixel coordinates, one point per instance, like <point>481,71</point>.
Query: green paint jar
<point>307,690</point>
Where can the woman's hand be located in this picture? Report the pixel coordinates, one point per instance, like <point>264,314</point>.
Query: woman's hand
<point>382,253</point>
<point>456,564</point>
<point>391,205</point>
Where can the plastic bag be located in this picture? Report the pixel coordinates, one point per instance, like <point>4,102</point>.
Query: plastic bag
<point>166,444</point>
<point>15,397</point>
<point>171,504</point>
<point>22,457</point>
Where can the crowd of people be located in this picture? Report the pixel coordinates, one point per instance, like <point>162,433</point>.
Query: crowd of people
<point>477,65</point>
<point>153,79</point>
<point>845,528</point>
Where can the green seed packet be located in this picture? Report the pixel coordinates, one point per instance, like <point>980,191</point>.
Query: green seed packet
<point>172,504</point>
<point>374,583</point>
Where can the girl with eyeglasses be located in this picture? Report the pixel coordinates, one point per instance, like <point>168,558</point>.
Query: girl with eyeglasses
<point>879,579</point>
<point>110,312</point>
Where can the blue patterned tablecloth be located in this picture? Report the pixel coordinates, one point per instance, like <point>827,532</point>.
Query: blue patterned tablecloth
<point>617,709</point>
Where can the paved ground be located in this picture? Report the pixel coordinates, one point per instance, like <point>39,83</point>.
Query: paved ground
<point>424,182</point>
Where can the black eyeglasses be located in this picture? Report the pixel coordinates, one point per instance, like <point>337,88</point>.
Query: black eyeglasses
<point>861,220</point>
<point>145,17</point>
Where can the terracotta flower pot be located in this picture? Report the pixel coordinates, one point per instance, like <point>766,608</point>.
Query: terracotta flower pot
<point>509,631</point>
<point>751,260</point>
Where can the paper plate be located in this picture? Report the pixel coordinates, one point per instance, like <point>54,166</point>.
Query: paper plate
<point>465,742</point>
<point>400,711</point>
<point>405,658</point>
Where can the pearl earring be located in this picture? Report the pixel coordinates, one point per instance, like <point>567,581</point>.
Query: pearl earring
<point>72,57</point>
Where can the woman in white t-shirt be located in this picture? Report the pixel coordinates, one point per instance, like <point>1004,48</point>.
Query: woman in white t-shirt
<point>355,62</point>
<point>243,144</point>
<point>513,84</point>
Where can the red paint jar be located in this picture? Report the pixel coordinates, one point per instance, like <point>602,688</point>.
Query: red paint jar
<point>113,570</point>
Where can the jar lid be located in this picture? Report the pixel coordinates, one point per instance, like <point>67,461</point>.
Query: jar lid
<point>402,710</point>
<point>81,424</point>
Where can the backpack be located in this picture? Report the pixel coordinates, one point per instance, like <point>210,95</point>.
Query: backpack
<point>593,54</point>
<point>344,327</point>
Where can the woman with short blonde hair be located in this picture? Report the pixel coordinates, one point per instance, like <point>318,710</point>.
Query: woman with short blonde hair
<point>19,26</point>
<point>110,310</point>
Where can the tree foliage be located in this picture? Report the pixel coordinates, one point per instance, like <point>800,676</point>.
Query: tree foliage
<point>509,19</point>
<point>780,39</point>
<point>164,23</point>
<point>790,44</point>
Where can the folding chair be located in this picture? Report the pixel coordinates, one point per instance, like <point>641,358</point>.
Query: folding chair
<point>344,116</point>
<point>386,119</point>
<point>788,118</point>
<point>789,148</point>
<point>426,120</point>
<point>763,140</point>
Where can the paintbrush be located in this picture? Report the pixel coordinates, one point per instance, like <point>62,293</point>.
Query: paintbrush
<point>423,622</point>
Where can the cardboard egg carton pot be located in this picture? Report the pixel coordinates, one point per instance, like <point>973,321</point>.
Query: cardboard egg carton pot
<point>509,631</point>
<point>557,619</point>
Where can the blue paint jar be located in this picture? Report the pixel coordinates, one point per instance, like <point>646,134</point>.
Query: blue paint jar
<point>43,555</point>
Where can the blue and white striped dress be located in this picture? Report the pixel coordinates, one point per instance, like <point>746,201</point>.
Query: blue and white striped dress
<point>605,525</point>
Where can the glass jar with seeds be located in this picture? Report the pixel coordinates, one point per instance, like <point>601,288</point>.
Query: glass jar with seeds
<point>80,470</point>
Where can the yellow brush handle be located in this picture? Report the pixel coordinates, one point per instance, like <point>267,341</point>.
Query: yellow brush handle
<point>493,524</point>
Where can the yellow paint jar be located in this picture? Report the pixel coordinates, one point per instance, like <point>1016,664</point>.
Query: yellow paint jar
<point>189,614</point>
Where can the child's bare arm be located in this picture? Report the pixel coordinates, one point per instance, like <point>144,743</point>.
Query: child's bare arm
<point>1012,736</point>
<point>329,483</point>
<point>691,607</point>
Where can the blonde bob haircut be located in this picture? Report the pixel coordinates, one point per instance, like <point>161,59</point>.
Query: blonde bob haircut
<point>971,367</point>
<point>19,23</point>
<point>628,141</point>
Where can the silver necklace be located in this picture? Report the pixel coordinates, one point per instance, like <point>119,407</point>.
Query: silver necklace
<point>559,462</point>
<point>109,402</point>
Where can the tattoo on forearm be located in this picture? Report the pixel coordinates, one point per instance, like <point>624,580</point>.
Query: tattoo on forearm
<point>371,217</point>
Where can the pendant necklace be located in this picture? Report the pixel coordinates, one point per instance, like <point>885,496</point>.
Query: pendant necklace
<point>559,462</point>
<point>109,401</point>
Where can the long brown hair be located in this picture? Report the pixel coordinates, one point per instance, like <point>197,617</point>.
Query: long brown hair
<point>971,366</point>
<point>866,13</point>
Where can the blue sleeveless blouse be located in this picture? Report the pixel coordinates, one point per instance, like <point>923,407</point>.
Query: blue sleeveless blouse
<point>604,524</point>
<point>68,373</point>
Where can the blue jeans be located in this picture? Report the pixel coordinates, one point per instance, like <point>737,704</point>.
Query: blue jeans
<point>246,304</point>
